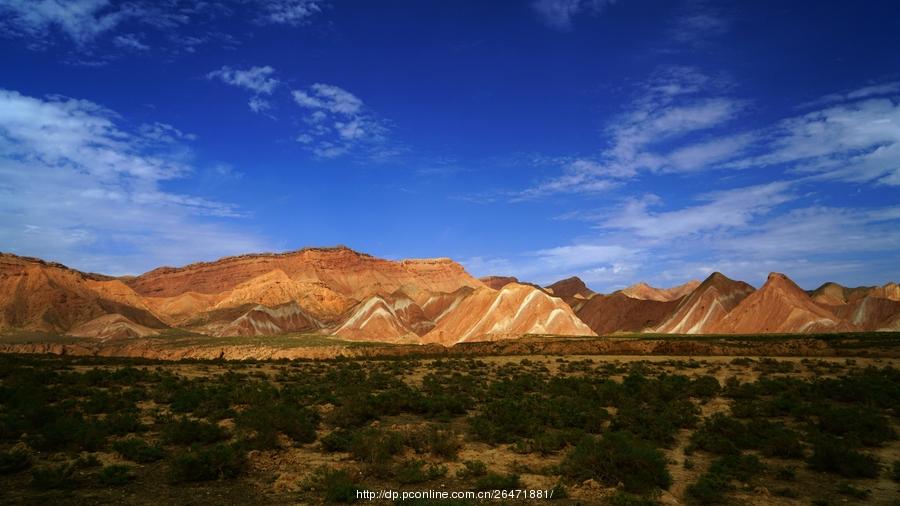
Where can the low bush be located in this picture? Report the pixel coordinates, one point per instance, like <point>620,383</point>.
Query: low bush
<point>851,491</point>
<point>618,457</point>
<point>185,431</point>
<point>123,423</point>
<point>416,471</point>
<point>138,450</point>
<point>60,476</point>
<point>863,426</point>
<point>338,440</point>
<point>713,485</point>
<point>14,461</point>
<point>625,499</point>
<point>472,469</point>
<point>335,485</point>
<point>115,476</point>
<point>835,456</point>
<point>296,422</point>
<point>496,481</point>
<point>216,462</point>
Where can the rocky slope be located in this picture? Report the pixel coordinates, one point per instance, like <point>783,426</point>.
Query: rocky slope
<point>617,312</point>
<point>779,306</point>
<point>353,296</point>
<point>513,311</point>
<point>705,306</point>
<point>644,291</point>
<point>570,287</point>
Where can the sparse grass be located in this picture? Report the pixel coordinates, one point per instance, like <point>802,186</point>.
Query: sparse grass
<point>404,421</point>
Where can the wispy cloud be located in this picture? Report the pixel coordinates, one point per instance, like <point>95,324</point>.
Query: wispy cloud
<point>76,187</point>
<point>338,122</point>
<point>657,133</point>
<point>290,12</point>
<point>559,14</point>
<point>80,20</point>
<point>697,22</point>
<point>856,141</point>
<point>99,27</point>
<point>718,211</point>
<point>259,80</point>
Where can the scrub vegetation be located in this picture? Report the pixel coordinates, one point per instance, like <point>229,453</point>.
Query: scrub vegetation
<point>589,429</point>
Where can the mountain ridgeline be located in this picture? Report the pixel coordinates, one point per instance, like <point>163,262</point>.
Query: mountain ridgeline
<point>357,297</point>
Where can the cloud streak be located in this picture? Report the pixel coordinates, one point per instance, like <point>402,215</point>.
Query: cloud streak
<point>77,188</point>
<point>558,14</point>
<point>259,80</point>
<point>338,122</point>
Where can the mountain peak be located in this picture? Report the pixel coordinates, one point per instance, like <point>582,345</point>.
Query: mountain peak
<point>570,287</point>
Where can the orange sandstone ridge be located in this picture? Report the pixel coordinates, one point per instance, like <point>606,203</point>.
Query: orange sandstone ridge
<point>353,296</point>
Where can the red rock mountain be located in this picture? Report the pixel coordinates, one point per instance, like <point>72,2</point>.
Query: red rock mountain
<point>317,290</point>
<point>498,282</point>
<point>337,291</point>
<point>706,305</point>
<point>617,312</point>
<point>644,291</point>
<point>570,287</point>
<point>780,306</point>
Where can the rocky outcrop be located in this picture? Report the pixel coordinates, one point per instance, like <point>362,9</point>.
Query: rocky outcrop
<point>513,311</point>
<point>616,312</point>
<point>570,287</point>
<point>780,306</point>
<point>707,304</point>
<point>644,291</point>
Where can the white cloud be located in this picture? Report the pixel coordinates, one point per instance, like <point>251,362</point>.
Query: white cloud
<point>259,80</point>
<point>329,98</point>
<point>338,122</point>
<point>657,133</point>
<point>76,188</point>
<point>559,13</point>
<point>81,20</point>
<point>98,27</point>
<point>855,141</point>
<point>290,12</point>
<point>697,22</point>
<point>592,261</point>
<point>130,41</point>
<point>719,211</point>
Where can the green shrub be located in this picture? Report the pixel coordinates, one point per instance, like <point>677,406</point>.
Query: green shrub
<point>123,423</point>
<point>415,471</point>
<point>185,431</point>
<point>69,431</point>
<point>335,485</point>
<point>14,461</point>
<point>115,476</point>
<point>220,461</point>
<point>376,446</point>
<point>496,481</point>
<point>138,450</point>
<point>713,485</point>
<point>338,440</point>
<point>61,476</point>
<point>472,469</point>
<point>835,456</point>
<point>438,442</point>
<point>618,457</point>
<point>861,425</point>
<point>851,491</point>
<point>294,421</point>
<point>625,499</point>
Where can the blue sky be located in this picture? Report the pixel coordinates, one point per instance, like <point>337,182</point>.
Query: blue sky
<point>621,141</point>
